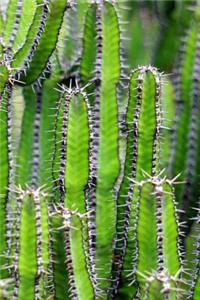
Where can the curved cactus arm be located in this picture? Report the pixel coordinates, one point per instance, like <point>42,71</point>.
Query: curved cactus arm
<point>87,63</point>
<point>81,286</point>
<point>31,259</point>
<point>143,123</point>
<point>26,52</point>
<point>27,12</point>
<point>186,129</point>
<point>48,41</point>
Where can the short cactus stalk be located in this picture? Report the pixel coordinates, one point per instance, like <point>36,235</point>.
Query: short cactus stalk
<point>87,125</point>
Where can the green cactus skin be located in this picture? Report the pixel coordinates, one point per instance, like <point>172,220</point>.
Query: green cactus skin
<point>31,257</point>
<point>37,63</point>
<point>76,258</point>
<point>143,112</point>
<point>2,23</point>
<point>50,99</point>
<point>69,54</point>
<point>14,8</point>
<point>6,175</point>
<point>25,154</point>
<point>159,244</point>
<point>99,233</point>
<point>4,69</point>
<point>89,45</point>
<point>184,155</point>
<point>73,131</point>
<point>105,158</point>
<point>27,12</point>
<point>24,55</point>
<point>193,259</point>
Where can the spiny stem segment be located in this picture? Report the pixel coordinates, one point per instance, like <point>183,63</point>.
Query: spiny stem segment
<point>194,258</point>
<point>31,259</point>
<point>37,62</point>
<point>143,126</point>
<point>105,158</point>
<point>75,235</point>
<point>6,175</point>
<point>72,157</point>
<point>161,240</point>
<point>185,140</point>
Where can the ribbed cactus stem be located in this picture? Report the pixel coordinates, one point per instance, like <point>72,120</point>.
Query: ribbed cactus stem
<point>142,154</point>
<point>16,23</point>
<point>75,149</point>
<point>44,7</point>
<point>6,169</point>
<point>80,282</point>
<point>36,138</point>
<point>194,283</point>
<point>31,258</point>
<point>185,137</point>
<point>164,244</point>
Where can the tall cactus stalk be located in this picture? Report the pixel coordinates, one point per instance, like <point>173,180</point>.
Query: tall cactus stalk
<point>141,155</point>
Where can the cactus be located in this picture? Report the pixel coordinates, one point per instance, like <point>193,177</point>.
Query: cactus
<point>184,155</point>
<point>86,209</point>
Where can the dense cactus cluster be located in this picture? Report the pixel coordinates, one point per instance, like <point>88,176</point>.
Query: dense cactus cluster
<point>99,161</point>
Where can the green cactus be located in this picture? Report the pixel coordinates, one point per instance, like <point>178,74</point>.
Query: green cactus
<point>86,211</point>
<point>184,155</point>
